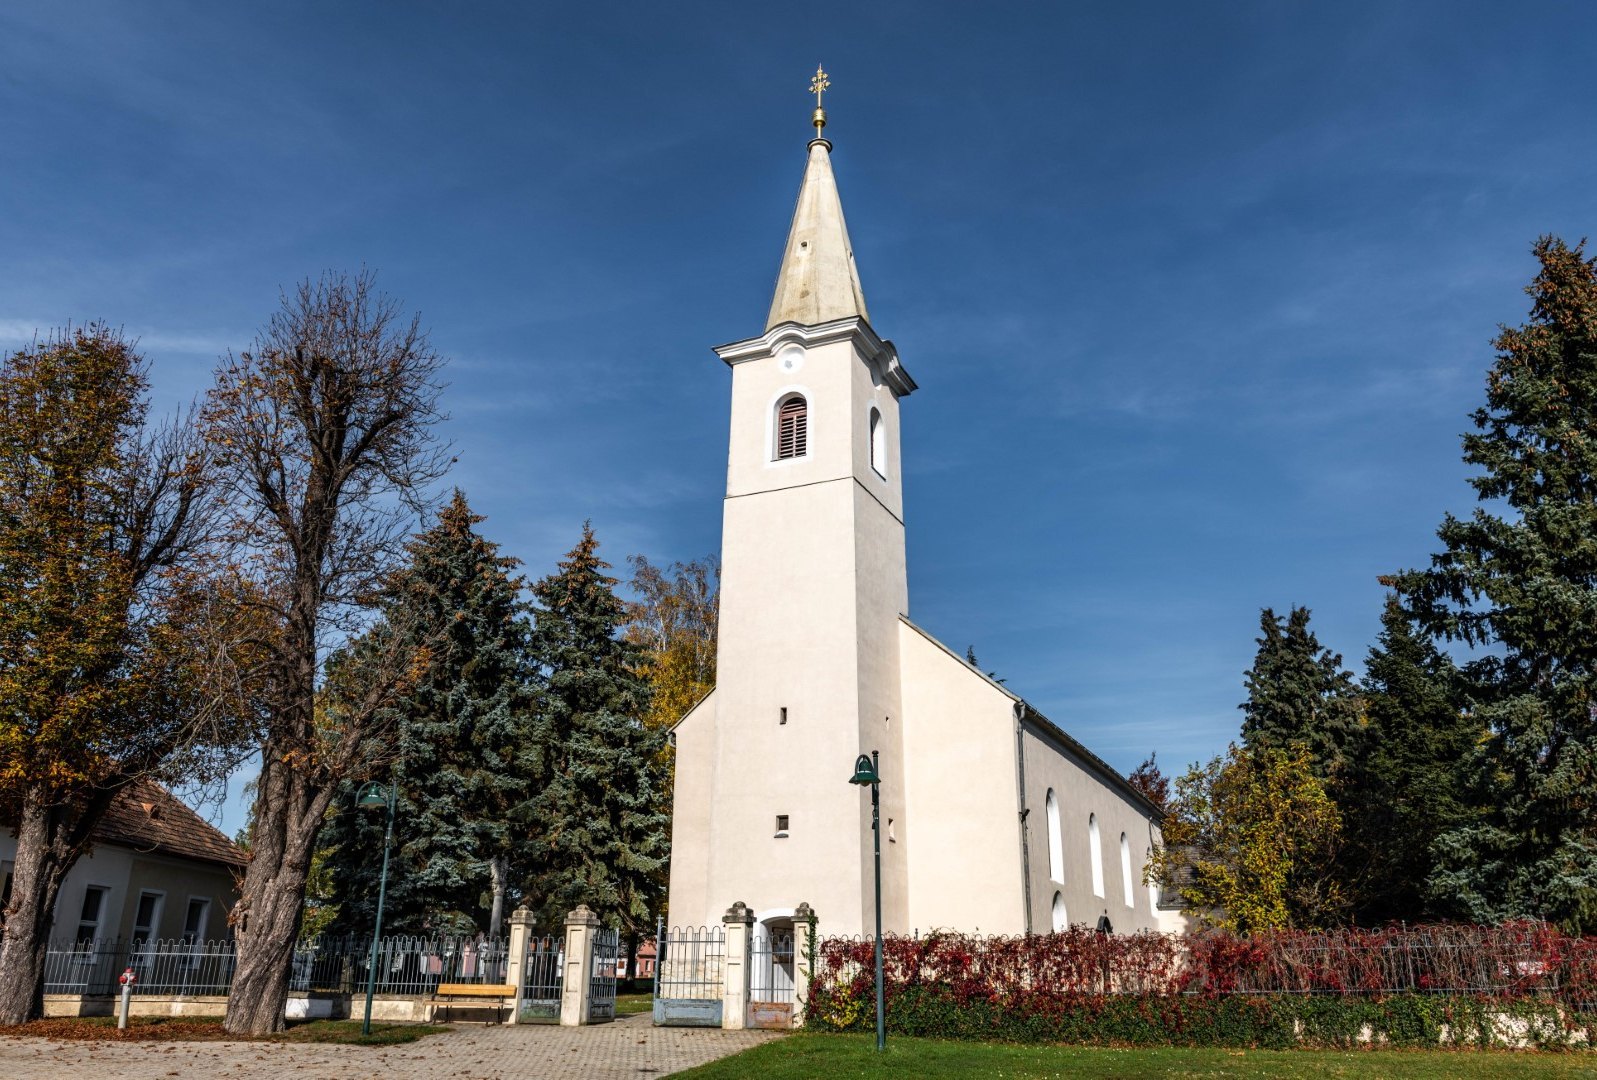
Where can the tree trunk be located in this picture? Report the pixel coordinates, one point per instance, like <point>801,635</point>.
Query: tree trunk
<point>49,840</point>
<point>497,872</point>
<point>289,806</point>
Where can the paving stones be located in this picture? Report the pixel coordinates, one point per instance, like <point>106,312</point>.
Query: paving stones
<point>631,1047</point>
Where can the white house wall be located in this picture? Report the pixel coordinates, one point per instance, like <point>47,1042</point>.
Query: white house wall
<point>126,873</point>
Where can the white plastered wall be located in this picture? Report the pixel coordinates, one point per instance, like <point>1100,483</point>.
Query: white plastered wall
<point>961,823</point>
<point>1082,793</point>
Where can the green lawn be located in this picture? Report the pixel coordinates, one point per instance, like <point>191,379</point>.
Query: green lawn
<point>629,1004</point>
<point>820,1057</point>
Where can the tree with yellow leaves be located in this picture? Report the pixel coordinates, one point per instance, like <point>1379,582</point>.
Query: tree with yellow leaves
<point>1251,839</point>
<point>673,623</point>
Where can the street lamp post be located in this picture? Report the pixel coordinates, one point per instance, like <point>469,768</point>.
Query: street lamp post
<point>373,794</point>
<point>866,773</point>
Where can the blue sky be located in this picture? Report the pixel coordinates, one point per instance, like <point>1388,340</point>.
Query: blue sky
<point>1198,296</point>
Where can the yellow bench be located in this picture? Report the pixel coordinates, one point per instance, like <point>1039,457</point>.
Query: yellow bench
<point>500,991</point>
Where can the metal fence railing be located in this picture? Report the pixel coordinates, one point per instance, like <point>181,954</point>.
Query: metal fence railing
<point>688,964</point>
<point>771,968</point>
<point>178,967</point>
<point>542,971</point>
<point>602,980</point>
<point>405,965</point>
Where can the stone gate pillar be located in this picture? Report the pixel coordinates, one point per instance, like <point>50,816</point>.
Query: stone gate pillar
<point>577,975</point>
<point>803,962</point>
<point>521,923</point>
<point>739,924</point>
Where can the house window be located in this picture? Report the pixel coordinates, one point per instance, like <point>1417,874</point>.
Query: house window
<point>878,443</point>
<point>1125,870</point>
<point>792,428</point>
<point>93,910</point>
<point>781,825</point>
<point>1061,920</point>
<point>194,921</point>
<point>1095,850</point>
<point>147,917</point>
<point>1056,840</point>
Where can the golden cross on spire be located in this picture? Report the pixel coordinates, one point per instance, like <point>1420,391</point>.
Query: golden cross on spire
<point>818,84</point>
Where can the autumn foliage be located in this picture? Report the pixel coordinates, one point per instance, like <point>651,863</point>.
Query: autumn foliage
<point>1211,987</point>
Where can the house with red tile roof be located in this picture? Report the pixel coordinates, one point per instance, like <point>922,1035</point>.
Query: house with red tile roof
<point>156,871</point>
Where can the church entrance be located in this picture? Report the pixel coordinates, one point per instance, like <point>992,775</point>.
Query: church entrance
<point>771,958</point>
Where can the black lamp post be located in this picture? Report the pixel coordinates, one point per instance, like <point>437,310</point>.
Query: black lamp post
<point>374,794</point>
<point>865,772</point>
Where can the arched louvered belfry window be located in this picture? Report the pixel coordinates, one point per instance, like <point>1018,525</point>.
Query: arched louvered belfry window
<point>792,428</point>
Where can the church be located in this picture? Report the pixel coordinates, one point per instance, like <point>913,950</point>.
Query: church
<point>992,817</point>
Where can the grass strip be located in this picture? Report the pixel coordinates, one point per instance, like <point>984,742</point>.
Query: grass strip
<point>825,1057</point>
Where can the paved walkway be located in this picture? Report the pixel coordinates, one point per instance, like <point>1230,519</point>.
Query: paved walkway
<point>631,1047</point>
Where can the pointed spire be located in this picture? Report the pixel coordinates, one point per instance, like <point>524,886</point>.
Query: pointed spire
<point>818,281</point>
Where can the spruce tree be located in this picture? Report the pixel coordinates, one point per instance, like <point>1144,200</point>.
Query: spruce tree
<point>1405,782</point>
<point>601,833</point>
<point>467,756</point>
<point>1519,580</point>
<point>1298,693</point>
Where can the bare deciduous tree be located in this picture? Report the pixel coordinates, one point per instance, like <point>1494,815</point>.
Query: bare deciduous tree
<point>325,434</point>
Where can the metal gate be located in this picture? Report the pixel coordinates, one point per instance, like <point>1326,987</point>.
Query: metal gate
<point>542,976</point>
<point>771,979</point>
<point>688,976</point>
<point>602,981</point>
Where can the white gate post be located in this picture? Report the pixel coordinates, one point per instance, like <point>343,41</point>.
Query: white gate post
<point>521,923</point>
<point>803,962</point>
<point>581,925</point>
<point>739,923</point>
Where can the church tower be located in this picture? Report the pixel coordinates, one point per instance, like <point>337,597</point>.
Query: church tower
<point>812,590</point>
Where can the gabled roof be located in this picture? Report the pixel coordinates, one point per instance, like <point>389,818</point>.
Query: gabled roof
<point>818,282</point>
<point>147,817</point>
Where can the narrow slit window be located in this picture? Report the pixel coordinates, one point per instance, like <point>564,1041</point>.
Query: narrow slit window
<point>783,720</point>
<point>878,440</point>
<point>792,428</point>
<point>781,825</point>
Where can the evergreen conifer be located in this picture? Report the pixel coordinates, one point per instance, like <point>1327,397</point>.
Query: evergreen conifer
<point>1405,783</point>
<point>1519,578</point>
<point>598,823</point>
<point>1298,693</point>
<point>467,744</point>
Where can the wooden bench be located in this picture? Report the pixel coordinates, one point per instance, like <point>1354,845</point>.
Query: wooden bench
<point>477,991</point>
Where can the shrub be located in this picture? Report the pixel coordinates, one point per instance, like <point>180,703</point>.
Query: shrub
<point>1401,986</point>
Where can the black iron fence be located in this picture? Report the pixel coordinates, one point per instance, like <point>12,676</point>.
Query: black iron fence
<point>405,965</point>
<point>542,977</point>
<point>602,981</point>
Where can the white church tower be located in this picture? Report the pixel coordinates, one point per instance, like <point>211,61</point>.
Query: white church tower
<point>818,662</point>
<point>813,583</point>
